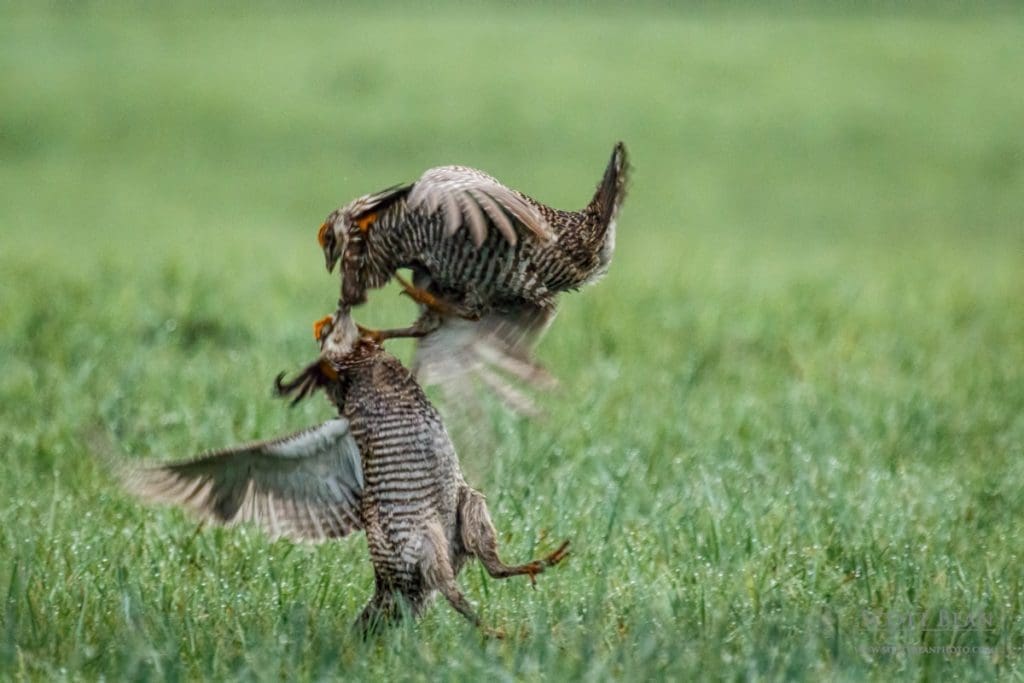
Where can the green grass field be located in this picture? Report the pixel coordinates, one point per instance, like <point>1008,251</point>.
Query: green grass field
<point>791,419</point>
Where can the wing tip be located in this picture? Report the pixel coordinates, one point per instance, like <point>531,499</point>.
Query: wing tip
<point>160,485</point>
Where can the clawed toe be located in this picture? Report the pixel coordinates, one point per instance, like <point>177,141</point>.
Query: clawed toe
<point>496,633</point>
<point>560,554</point>
<point>432,302</point>
<point>532,569</point>
<point>538,566</point>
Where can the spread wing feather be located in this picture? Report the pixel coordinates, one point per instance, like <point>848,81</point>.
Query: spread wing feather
<point>478,201</point>
<point>498,345</point>
<point>497,216</point>
<point>306,486</point>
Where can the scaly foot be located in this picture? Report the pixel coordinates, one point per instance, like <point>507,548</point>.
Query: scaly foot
<point>433,303</point>
<point>426,324</point>
<point>538,566</point>
<point>494,633</point>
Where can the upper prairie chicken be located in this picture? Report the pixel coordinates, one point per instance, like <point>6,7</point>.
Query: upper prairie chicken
<point>488,263</point>
<point>386,465</point>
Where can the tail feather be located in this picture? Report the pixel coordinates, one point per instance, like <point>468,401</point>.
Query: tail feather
<point>305,384</point>
<point>612,189</point>
<point>598,233</point>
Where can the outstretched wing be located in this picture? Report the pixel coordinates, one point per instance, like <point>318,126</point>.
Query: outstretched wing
<point>494,351</point>
<point>306,486</point>
<point>473,198</point>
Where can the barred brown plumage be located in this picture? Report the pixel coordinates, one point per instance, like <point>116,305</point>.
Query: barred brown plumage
<point>489,291</point>
<point>386,465</point>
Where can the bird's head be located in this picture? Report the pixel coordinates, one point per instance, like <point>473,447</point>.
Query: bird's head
<point>344,226</point>
<point>343,345</point>
<point>332,238</point>
<point>340,336</point>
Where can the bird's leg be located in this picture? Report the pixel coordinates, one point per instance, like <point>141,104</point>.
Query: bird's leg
<point>480,539</point>
<point>396,333</point>
<point>382,610</point>
<point>438,572</point>
<point>434,303</point>
<point>427,323</point>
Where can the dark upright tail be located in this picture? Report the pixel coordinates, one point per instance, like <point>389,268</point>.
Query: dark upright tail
<point>599,230</point>
<point>612,190</point>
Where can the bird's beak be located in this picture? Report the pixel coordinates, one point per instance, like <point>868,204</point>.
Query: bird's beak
<point>330,258</point>
<point>326,241</point>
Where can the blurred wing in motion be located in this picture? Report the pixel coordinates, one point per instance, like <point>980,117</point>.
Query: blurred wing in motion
<point>494,351</point>
<point>475,199</point>
<point>306,486</point>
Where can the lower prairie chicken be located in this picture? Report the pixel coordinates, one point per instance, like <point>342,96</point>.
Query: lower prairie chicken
<point>385,466</point>
<point>488,264</point>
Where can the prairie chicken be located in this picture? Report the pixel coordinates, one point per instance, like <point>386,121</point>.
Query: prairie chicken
<point>385,465</point>
<point>488,264</point>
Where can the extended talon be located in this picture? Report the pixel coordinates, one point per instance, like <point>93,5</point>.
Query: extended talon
<point>433,303</point>
<point>560,554</point>
<point>422,296</point>
<point>319,325</point>
<point>532,569</point>
<point>550,560</point>
<point>424,326</point>
<point>496,633</point>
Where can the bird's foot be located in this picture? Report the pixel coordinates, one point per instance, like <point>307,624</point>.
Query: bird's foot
<point>427,323</point>
<point>495,633</point>
<point>558,555</point>
<point>538,566</point>
<point>379,336</point>
<point>434,303</point>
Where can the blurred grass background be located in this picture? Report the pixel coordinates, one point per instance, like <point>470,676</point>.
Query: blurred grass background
<point>796,400</point>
